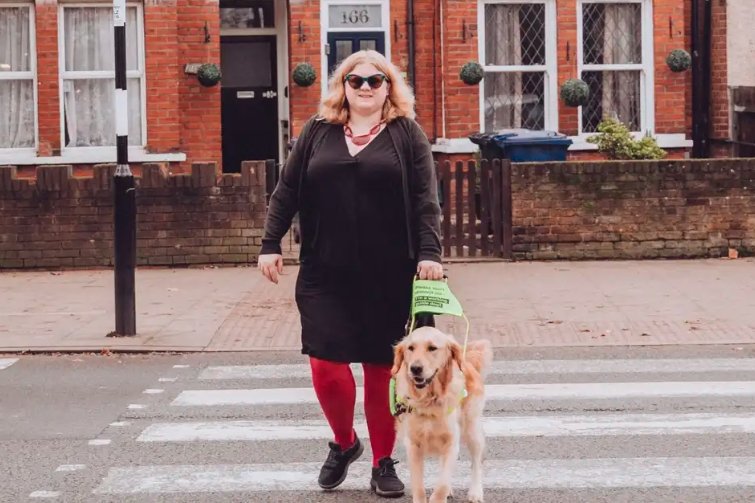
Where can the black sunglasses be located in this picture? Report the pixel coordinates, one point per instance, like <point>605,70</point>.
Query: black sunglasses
<point>374,81</point>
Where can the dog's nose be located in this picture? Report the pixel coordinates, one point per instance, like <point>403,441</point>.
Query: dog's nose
<point>416,370</point>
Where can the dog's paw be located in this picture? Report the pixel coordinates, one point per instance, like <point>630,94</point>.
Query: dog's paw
<point>475,496</point>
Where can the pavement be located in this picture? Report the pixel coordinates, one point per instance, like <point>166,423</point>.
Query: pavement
<point>515,304</point>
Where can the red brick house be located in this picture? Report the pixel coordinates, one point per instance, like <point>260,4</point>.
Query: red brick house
<point>56,72</point>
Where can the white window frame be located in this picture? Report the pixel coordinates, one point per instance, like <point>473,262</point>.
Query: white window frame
<point>385,27</point>
<point>97,154</point>
<point>10,154</point>
<point>647,76</point>
<point>550,68</point>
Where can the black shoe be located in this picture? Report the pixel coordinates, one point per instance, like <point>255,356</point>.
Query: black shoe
<point>335,468</point>
<point>384,480</point>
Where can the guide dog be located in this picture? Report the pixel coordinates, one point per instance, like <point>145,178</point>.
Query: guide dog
<point>440,400</point>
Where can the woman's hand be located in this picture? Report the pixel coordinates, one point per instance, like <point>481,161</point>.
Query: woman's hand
<point>271,265</point>
<point>429,269</point>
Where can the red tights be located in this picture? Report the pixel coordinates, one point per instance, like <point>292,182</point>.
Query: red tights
<point>336,390</point>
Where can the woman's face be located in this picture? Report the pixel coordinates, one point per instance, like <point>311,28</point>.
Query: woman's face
<point>366,100</point>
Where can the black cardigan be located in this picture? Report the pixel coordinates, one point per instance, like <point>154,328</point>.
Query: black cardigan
<point>420,190</point>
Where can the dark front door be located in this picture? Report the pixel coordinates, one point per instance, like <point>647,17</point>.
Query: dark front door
<point>249,100</point>
<point>343,44</point>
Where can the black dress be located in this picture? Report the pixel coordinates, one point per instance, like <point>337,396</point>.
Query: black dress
<point>354,285</point>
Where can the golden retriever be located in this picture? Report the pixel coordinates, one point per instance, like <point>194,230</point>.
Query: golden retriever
<point>431,379</point>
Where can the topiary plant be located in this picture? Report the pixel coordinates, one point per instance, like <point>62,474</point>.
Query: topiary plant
<point>304,75</point>
<point>616,142</point>
<point>575,92</point>
<point>208,74</point>
<point>678,60</point>
<point>471,73</point>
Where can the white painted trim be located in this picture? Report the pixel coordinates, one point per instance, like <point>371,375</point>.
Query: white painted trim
<point>90,155</point>
<point>549,69</point>
<point>281,49</point>
<point>465,146</point>
<point>571,473</point>
<point>646,68</point>
<point>325,29</point>
<point>28,75</point>
<point>139,73</point>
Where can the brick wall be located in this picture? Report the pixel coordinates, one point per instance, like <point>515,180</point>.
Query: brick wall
<point>671,209</point>
<point>61,221</point>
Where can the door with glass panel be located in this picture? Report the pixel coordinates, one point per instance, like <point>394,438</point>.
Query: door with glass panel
<point>342,44</point>
<point>249,83</point>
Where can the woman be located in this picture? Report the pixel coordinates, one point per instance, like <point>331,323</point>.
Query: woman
<point>361,176</point>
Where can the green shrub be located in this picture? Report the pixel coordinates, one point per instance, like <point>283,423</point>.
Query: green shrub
<point>616,142</point>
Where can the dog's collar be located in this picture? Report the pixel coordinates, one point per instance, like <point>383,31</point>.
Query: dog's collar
<point>399,406</point>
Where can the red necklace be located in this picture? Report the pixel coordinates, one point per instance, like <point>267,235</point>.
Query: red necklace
<point>362,139</point>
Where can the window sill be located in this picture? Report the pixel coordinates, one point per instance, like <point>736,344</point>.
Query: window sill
<point>465,146</point>
<point>94,155</point>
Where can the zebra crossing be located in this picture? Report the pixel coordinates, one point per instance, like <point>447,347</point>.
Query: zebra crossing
<point>579,427</point>
<point>7,362</point>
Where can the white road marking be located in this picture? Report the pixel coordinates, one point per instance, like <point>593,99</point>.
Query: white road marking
<point>100,441</point>
<point>168,379</point>
<point>506,426</point>
<point>498,474</point>
<point>136,406</point>
<point>180,366</point>
<point>509,367</point>
<point>70,468</point>
<point>498,392</point>
<point>153,391</point>
<point>45,494</point>
<point>7,362</point>
<point>120,423</point>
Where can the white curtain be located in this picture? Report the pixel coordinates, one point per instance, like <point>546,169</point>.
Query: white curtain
<point>503,47</point>
<point>89,102</point>
<point>17,95</point>
<point>621,90</point>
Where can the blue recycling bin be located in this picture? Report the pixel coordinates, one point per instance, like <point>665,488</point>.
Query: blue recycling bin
<point>523,145</point>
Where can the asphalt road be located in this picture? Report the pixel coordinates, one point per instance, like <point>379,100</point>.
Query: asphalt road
<point>669,424</point>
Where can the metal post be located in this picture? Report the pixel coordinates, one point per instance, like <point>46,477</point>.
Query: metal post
<point>124,193</point>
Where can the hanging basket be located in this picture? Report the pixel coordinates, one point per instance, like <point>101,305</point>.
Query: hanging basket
<point>575,92</point>
<point>208,74</point>
<point>471,73</point>
<point>304,75</point>
<point>678,60</point>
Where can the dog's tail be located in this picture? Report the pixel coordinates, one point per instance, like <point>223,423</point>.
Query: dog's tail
<point>480,356</point>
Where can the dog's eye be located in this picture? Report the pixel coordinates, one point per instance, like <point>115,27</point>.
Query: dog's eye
<point>410,348</point>
<point>431,348</point>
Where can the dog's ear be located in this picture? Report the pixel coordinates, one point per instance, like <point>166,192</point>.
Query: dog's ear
<point>398,359</point>
<point>456,355</point>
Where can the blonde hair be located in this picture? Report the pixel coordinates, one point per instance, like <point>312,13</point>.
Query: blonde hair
<point>398,103</point>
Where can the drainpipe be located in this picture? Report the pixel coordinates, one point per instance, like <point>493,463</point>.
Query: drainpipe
<point>701,78</point>
<point>410,24</point>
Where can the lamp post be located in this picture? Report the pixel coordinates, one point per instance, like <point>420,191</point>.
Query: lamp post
<point>124,192</point>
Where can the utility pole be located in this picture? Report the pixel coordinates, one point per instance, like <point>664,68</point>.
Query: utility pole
<point>124,192</point>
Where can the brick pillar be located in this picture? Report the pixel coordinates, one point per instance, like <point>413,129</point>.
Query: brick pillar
<point>566,57</point>
<point>719,106</point>
<point>672,103</point>
<point>200,106</point>
<point>304,47</point>
<point>462,100</point>
<point>48,88</point>
<point>164,72</point>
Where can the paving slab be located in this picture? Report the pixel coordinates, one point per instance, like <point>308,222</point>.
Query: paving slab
<point>515,304</point>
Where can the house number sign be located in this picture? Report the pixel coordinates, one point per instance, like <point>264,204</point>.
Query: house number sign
<point>355,16</point>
